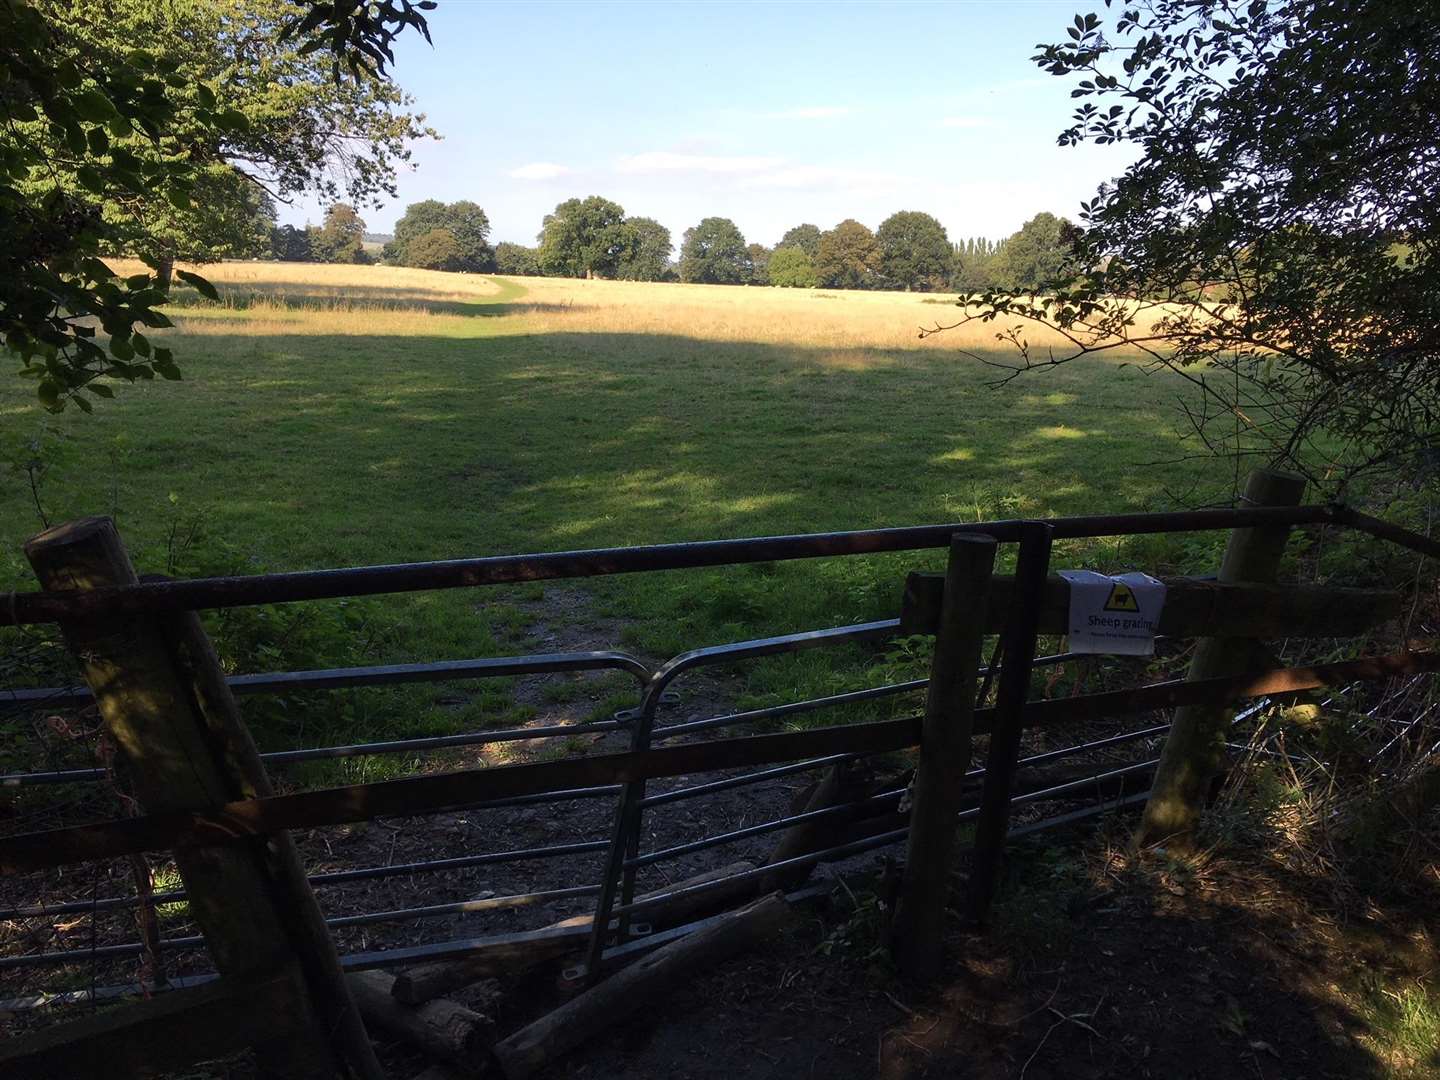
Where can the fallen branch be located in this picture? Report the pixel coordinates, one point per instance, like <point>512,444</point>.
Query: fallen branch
<point>515,954</point>
<point>598,1009</point>
<point>441,1028</point>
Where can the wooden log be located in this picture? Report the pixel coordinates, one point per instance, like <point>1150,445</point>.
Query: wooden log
<point>918,925</point>
<point>169,1031</point>
<point>1193,608</point>
<point>164,701</point>
<point>835,788</point>
<point>443,1029</point>
<point>599,1008</point>
<point>516,953</point>
<point>442,791</point>
<point>1195,748</point>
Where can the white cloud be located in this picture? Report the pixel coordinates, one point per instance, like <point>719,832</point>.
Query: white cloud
<point>967,122</point>
<point>539,170</point>
<point>661,161</point>
<point>813,112</point>
<point>821,176</point>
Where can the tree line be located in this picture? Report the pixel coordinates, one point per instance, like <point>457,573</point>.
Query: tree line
<point>594,238</point>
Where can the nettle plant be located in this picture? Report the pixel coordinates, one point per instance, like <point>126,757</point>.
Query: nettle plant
<point>1274,243</point>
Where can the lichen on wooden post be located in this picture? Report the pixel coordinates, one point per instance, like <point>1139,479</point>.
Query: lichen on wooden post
<point>1194,751</point>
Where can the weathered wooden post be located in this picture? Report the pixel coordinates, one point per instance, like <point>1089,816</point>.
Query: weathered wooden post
<point>164,702</point>
<point>1195,748</point>
<point>1022,627</point>
<point>944,757</point>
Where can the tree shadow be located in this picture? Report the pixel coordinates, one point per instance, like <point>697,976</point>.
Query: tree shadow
<point>344,449</point>
<point>290,297</point>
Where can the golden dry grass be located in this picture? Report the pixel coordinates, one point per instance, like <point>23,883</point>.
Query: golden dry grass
<point>851,329</point>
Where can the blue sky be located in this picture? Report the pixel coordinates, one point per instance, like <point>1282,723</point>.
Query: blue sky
<point>771,114</point>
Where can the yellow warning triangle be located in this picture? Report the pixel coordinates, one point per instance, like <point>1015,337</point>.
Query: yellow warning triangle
<point>1122,598</point>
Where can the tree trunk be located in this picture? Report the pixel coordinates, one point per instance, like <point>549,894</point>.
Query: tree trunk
<point>165,271</point>
<point>1194,750</point>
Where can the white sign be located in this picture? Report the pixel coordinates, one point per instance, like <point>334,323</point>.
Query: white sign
<point>1116,615</point>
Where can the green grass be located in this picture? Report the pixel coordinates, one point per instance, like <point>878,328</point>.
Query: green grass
<point>435,429</point>
<point>1402,1025</point>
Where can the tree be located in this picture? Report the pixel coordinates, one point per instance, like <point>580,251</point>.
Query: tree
<point>804,237</point>
<point>84,128</point>
<point>1038,256</point>
<point>419,218</point>
<point>914,251</point>
<point>791,268</point>
<point>848,257</point>
<point>295,131</point>
<point>759,264</point>
<point>1275,241</point>
<point>714,253</point>
<point>471,229</point>
<point>585,238</point>
<point>437,249</point>
<point>648,256</point>
<point>464,221</point>
<point>289,244</point>
<point>341,238</point>
<point>515,260</point>
<point>973,264</point>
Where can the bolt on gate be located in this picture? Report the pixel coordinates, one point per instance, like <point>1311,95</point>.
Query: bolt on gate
<point>280,985</point>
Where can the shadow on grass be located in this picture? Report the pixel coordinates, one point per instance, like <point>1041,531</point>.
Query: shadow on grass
<point>344,450</point>
<point>297,296</point>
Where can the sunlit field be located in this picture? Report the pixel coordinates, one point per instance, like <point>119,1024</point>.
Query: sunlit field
<point>336,416</point>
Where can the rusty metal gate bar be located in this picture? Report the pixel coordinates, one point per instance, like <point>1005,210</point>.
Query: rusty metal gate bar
<point>618,870</point>
<point>197,594</point>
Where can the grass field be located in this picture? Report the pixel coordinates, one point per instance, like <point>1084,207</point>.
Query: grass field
<point>345,415</point>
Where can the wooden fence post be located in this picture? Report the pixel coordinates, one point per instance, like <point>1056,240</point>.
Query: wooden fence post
<point>1195,748</point>
<point>944,757</point>
<point>164,702</point>
<point>1022,624</point>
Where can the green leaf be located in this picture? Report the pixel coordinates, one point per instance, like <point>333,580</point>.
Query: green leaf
<point>94,106</point>
<point>75,140</point>
<point>206,95</point>
<point>203,287</point>
<point>100,390</point>
<point>233,120</point>
<point>96,270</point>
